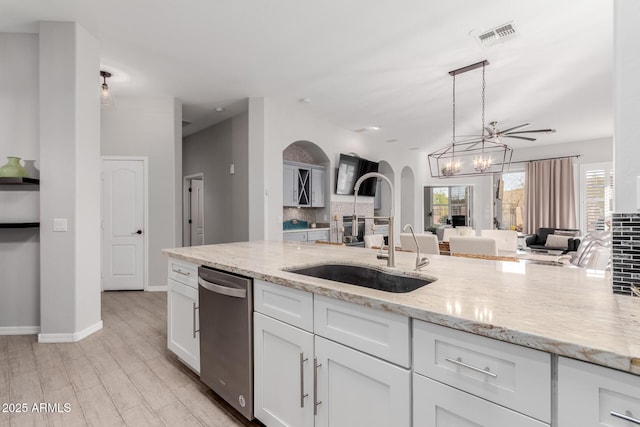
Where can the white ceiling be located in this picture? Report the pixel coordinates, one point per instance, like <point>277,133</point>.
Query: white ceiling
<point>360,62</point>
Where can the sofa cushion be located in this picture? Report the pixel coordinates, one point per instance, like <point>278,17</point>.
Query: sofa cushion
<point>556,241</point>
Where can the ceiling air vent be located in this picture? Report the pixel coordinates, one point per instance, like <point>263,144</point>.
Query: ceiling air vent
<point>497,35</point>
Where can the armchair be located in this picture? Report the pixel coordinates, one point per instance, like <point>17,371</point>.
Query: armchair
<point>539,240</point>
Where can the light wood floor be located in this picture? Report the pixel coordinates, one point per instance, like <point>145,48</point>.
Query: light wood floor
<point>121,375</point>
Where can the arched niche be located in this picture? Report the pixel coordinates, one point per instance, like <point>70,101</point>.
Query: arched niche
<point>305,152</point>
<point>407,197</point>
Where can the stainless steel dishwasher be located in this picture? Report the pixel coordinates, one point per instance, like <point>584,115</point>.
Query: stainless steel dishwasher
<point>226,336</point>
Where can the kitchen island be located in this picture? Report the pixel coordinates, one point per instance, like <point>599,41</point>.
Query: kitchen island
<point>558,311</point>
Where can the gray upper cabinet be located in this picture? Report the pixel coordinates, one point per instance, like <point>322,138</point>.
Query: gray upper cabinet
<point>303,185</point>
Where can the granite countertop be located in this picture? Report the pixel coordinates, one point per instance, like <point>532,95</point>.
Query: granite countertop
<point>293,230</point>
<point>566,311</point>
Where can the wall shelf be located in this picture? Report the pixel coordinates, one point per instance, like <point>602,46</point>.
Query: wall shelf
<point>7,180</point>
<point>19,225</point>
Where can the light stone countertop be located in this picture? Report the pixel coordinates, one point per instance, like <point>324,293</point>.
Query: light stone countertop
<point>293,230</point>
<point>566,311</point>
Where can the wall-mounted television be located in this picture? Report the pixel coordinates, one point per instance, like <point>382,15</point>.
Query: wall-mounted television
<point>350,168</point>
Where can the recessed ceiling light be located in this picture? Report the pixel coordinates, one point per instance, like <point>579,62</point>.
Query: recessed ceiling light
<point>305,100</point>
<point>373,127</point>
<point>392,140</point>
<point>219,110</point>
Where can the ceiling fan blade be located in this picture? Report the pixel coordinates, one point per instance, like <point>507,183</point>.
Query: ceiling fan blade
<point>502,132</point>
<point>534,131</point>
<point>526,138</point>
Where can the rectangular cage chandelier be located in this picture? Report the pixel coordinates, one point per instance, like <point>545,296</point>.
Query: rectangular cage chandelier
<point>477,156</point>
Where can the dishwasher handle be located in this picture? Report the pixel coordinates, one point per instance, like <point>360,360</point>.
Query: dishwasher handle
<point>223,290</point>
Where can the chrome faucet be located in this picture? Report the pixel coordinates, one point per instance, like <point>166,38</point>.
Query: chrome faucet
<point>391,252</point>
<point>419,262</point>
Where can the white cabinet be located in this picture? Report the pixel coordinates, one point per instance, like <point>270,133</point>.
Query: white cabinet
<point>283,373</point>
<point>183,338</point>
<point>303,185</point>
<point>355,389</point>
<point>306,236</point>
<point>302,379</point>
<point>289,185</point>
<point>590,395</point>
<point>509,375</point>
<point>317,187</point>
<point>438,405</point>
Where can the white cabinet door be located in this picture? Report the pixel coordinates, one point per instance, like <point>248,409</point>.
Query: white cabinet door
<point>591,395</point>
<point>438,405</point>
<point>283,373</point>
<point>317,188</point>
<point>289,185</point>
<point>182,336</point>
<point>355,389</point>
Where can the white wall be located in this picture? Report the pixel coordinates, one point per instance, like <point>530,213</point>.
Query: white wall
<point>19,136</point>
<point>211,151</point>
<point>286,123</point>
<point>145,126</point>
<point>626,104</point>
<point>69,155</point>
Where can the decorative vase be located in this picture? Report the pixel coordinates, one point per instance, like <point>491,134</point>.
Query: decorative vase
<point>13,168</point>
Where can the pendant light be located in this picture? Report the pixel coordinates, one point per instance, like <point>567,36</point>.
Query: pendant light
<point>106,99</point>
<point>470,157</point>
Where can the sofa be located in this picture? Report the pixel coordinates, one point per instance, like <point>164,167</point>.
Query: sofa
<point>562,239</point>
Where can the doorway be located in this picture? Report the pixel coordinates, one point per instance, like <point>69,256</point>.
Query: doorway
<point>193,210</point>
<point>124,223</point>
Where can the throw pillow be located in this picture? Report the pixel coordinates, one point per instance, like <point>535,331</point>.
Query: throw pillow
<point>556,241</point>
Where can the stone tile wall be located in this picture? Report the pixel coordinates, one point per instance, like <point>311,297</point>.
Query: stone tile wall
<point>626,252</point>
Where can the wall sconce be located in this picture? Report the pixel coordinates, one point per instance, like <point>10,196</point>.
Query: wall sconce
<point>106,99</point>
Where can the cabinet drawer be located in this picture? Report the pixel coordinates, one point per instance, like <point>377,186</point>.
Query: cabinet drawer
<point>379,333</point>
<point>438,405</point>
<point>183,272</point>
<point>291,306</point>
<point>298,236</point>
<point>507,374</point>
<point>323,235</point>
<point>591,395</point>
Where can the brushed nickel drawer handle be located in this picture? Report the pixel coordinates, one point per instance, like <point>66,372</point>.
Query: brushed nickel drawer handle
<point>302,393</point>
<point>194,320</point>
<point>179,271</point>
<point>316,402</point>
<point>626,417</point>
<point>459,362</point>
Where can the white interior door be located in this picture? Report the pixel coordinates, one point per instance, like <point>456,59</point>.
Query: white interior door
<point>197,212</point>
<point>122,224</point>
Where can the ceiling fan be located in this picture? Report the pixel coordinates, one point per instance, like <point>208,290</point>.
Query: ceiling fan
<point>493,133</point>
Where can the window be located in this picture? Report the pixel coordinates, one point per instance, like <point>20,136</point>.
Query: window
<point>446,204</point>
<point>509,201</point>
<point>596,205</point>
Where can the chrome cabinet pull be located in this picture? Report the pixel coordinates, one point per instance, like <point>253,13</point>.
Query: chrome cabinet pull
<point>194,320</point>
<point>626,417</point>
<point>179,271</point>
<point>459,362</point>
<point>302,393</point>
<point>316,402</point>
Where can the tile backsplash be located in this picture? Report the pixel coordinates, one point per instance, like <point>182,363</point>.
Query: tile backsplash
<point>626,252</point>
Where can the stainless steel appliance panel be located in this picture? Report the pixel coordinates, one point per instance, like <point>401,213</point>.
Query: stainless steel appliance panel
<point>226,336</point>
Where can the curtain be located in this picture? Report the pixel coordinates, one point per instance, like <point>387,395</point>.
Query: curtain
<point>549,195</point>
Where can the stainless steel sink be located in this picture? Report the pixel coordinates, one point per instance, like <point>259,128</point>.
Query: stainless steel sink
<point>368,277</point>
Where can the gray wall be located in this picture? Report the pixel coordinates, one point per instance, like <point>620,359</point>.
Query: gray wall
<point>145,127</point>
<point>211,152</point>
<point>19,248</point>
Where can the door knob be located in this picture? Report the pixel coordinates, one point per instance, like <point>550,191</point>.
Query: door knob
<point>138,232</point>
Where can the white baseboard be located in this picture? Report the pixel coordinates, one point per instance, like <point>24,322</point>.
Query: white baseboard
<point>19,330</point>
<point>74,337</point>
<point>161,288</point>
